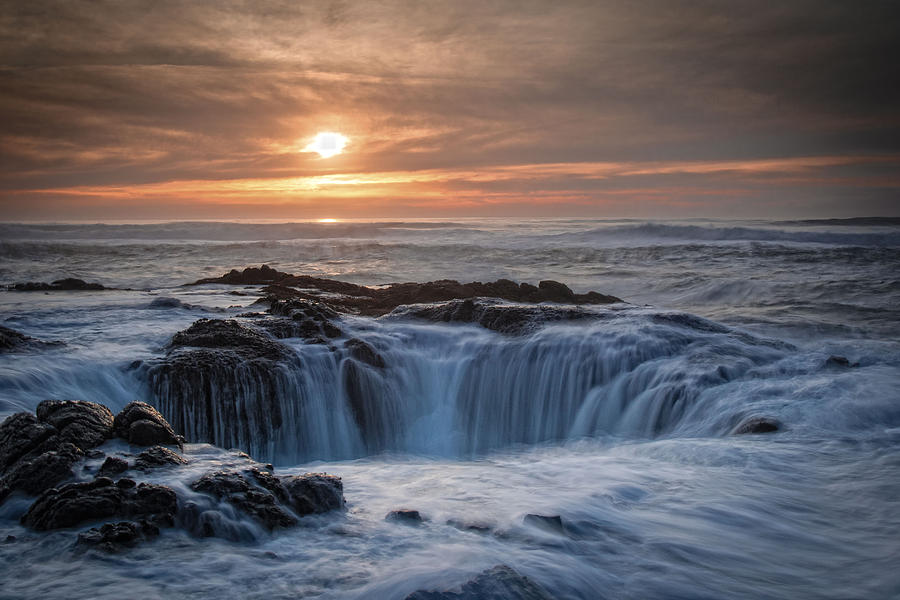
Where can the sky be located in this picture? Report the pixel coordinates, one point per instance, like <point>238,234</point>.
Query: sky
<point>610,108</point>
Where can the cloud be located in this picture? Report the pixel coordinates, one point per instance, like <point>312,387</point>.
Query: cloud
<point>134,93</point>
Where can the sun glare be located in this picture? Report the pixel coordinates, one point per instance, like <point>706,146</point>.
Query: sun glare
<point>327,144</point>
<point>328,221</point>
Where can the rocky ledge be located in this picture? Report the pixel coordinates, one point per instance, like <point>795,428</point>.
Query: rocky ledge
<point>44,454</point>
<point>14,341</point>
<point>500,583</point>
<point>377,301</point>
<point>70,284</point>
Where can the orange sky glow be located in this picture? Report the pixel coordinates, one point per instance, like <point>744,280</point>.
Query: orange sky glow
<point>593,109</point>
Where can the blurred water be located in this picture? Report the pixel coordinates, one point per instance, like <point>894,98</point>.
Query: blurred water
<point>622,427</point>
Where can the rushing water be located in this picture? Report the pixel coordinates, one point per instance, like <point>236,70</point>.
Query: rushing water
<point>620,424</point>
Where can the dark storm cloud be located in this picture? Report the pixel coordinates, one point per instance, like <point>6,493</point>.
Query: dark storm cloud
<point>97,93</point>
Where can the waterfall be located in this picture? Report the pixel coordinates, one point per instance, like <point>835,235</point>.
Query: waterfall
<point>460,390</point>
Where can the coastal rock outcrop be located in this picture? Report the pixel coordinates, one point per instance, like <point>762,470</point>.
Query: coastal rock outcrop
<point>142,425</point>
<point>499,583</point>
<point>495,315</point>
<point>116,537</point>
<point>221,382</point>
<point>377,301</point>
<point>757,425</point>
<point>157,457</point>
<point>76,503</point>
<point>271,500</point>
<point>38,451</point>
<point>68,284</point>
<point>15,341</point>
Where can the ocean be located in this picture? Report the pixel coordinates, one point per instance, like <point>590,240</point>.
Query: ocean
<point>622,424</point>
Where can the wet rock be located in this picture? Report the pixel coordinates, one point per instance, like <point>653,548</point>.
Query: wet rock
<point>85,424</point>
<point>115,537</point>
<point>38,451</point>
<point>21,434</point>
<point>499,583</point>
<point>757,425</point>
<point>112,466</point>
<point>228,335</point>
<point>468,526</point>
<point>274,501</point>
<point>158,456</point>
<point>34,474</point>
<point>68,284</point>
<point>142,425</point>
<point>511,319</point>
<point>839,362</point>
<point>10,539</point>
<point>303,318</point>
<point>553,524</point>
<point>364,352</point>
<point>14,341</point>
<point>375,407</point>
<point>259,503</point>
<point>76,503</point>
<point>405,516</point>
<point>221,381</point>
<point>348,297</point>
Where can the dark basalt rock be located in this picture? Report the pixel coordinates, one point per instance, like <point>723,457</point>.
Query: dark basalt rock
<point>553,523</point>
<point>61,285</point>
<point>269,499</point>
<point>757,425</point>
<point>112,466</point>
<point>839,362</point>
<point>469,526</point>
<point>22,435</point>
<point>227,377</point>
<point>14,341</point>
<point>364,352</point>
<point>228,335</point>
<point>499,583</point>
<point>503,318</point>
<point>142,425</point>
<point>76,503</point>
<point>85,424</point>
<point>115,537</point>
<point>237,491</point>
<point>157,456</point>
<point>34,474</point>
<point>405,516</point>
<point>38,451</point>
<point>303,318</point>
<point>348,297</point>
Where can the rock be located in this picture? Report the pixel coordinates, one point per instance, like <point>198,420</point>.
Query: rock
<point>157,456</point>
<point>553,524</point>
<point>21,434</point>
<point>14,341</point>
<point>511,319</point>
<point>757,425</point>
<point>85,424</point>
<point>839,362</point>
<point>467,526</point>
<point>270,499</point>
<point>76,503</point>
<point>364,352</point>
<point>304,318</point>
<point>405,516</point>
<point>555,291</point>
<point>112,466</point>
<point>142,425</point>
<point>68,284</point>
<point>499,583</point>
<point>221,382</point>
<point>34,474</point>
<point>115,537</point>
<point>348,297</point>
<point>259,503</point>
<point>10,539</point>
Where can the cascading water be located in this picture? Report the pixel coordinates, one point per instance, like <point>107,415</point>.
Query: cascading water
<point>459,390</point>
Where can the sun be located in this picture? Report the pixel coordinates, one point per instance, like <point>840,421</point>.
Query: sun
<point>327,144</point>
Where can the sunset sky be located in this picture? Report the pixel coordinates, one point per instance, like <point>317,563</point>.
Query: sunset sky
<point>611,108</point>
